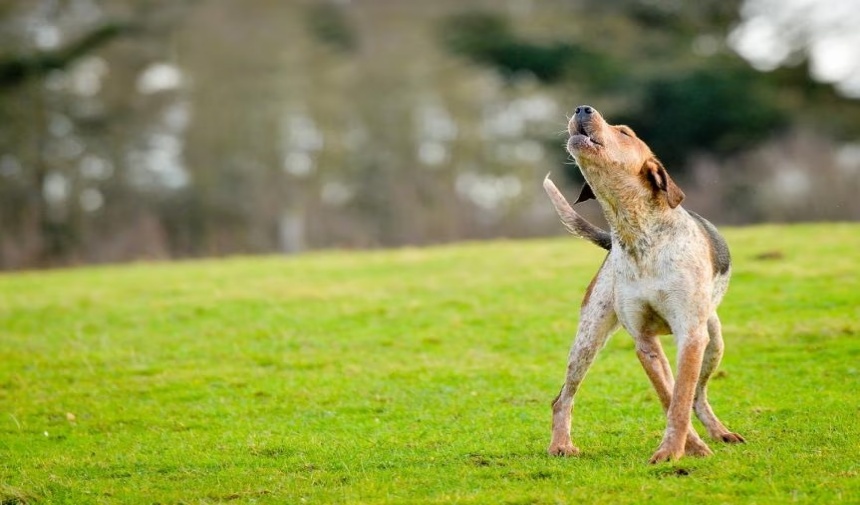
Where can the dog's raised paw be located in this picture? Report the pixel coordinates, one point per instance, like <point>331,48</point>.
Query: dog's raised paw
<point>563,450</point>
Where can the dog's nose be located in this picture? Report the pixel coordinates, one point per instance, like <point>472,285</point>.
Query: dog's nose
<point>584,110</point>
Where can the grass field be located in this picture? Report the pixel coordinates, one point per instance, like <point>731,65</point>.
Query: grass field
<point>415,376</point>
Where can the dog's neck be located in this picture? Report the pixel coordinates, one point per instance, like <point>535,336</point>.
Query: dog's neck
<point>633,214</point>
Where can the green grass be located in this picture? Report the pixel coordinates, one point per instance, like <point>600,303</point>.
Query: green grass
<point>414,376</point>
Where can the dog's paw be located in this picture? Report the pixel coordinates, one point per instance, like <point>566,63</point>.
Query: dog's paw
<point>697,447</point>
<point>665,453</point>
<point>732,438</point>
<point>566,449</point>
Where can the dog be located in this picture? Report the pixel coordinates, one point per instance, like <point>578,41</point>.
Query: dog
<point>666,271</point>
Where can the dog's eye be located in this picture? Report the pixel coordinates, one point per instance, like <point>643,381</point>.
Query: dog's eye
<point>625,131</point>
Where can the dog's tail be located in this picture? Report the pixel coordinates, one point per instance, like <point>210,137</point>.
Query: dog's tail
<point>575,223</point>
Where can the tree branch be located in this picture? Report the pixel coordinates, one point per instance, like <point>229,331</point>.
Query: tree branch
<point>16,69</point>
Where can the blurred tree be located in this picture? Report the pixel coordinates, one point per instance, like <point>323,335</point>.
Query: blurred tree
<point>328,23</point>
<point>680,88</point>
<point>488,38</point>
<point>65,137</point>
<point>229,127</point>
<point>717,109</point>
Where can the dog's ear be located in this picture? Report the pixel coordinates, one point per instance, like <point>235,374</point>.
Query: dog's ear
<point>659,177</point>
<point>585,194</point>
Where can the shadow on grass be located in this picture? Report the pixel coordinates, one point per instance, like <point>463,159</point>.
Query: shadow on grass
<point>14,496</point>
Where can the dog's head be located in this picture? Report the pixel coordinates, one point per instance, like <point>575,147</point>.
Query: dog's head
<point>612,158</point>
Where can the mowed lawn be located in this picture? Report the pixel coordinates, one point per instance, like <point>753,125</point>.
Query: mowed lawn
<point>415,376</point>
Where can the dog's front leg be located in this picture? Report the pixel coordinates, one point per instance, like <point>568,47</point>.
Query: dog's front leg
<point>691,348</point>
<point>653,359</point>
<point>597,321</point>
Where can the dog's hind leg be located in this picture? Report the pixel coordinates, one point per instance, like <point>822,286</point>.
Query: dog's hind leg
<point>597,321</point>
<point>691,349</point>
<point>656,365</point>
<point>712,357</point>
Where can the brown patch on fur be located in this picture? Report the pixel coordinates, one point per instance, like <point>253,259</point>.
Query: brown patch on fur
<point>590,287</point>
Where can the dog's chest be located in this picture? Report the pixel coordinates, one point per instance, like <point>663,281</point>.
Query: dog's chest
<point>636,288</point>
<point>659,287</point>
<point>649,304</point>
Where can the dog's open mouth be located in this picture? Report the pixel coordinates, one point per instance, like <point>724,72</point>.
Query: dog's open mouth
<point>580,130</point>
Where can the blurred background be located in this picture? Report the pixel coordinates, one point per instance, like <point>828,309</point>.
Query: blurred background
<point>168,129</point>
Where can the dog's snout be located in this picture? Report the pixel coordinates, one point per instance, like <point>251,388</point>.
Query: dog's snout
<point>582,116</point>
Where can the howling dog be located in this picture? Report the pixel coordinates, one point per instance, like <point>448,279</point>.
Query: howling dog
<point>666,272</point>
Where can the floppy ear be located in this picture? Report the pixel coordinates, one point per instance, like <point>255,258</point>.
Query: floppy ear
<point>585,194</point>
<point>659,177</point>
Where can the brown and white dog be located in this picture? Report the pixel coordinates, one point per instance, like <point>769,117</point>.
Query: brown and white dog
<point>666,272</point>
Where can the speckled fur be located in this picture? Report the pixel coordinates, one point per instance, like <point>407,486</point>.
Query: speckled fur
<point>666,272</point>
